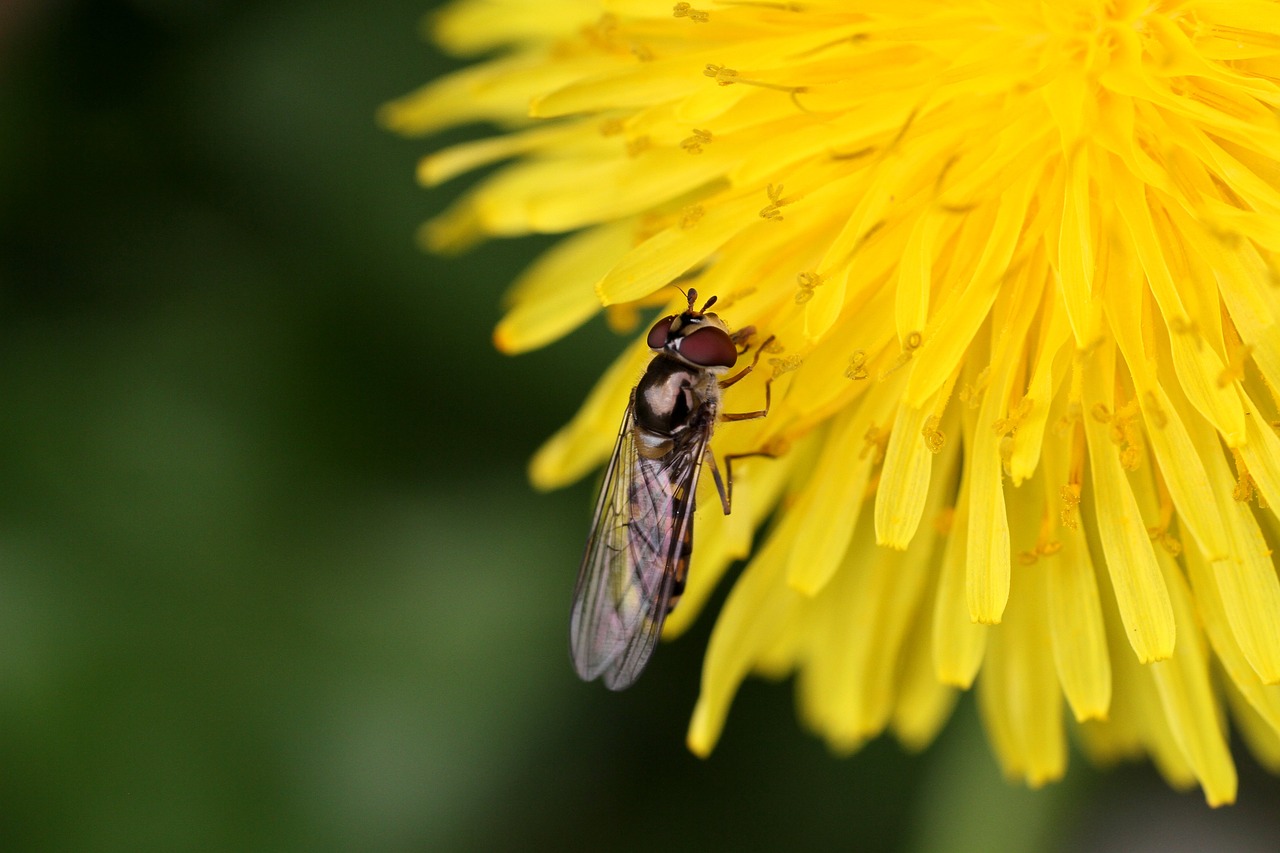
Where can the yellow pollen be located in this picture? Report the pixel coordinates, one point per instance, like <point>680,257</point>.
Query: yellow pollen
<point>934,438</point>
<point>723,75</point>
<point>693,144</point>
<point>857,368</point>
<point>1244,490</point>
<point>785,365</point>
<point>773,210</point>
<point>1070,495</point>
<point>690,215</point>
<point>684,10</point>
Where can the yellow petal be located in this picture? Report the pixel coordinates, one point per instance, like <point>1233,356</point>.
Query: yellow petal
<point>924,703</point>
<point>755,612</point>
<point>1018,691</point>
<point>836,491</point>
<point>1263,699</point>
<point>586,441</point>
<point>959,643</point>
<point>545,303</point>
<point>1189,702</point>
<point>988,555</point>
<point>904,482</point>
<point>666,255</point>
<point>1130,560</point>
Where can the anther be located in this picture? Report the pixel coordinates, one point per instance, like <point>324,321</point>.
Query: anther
<point>785,365</point>
<point>693,144</point>
<point>773,210</point>
<point>857,368</point>
<point>690,215</point>
<point>684,10</point>
<point>723,75</point>
<point>934,438</point>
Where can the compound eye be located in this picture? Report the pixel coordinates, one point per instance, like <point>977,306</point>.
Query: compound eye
<point>660,333</point>
<point>708,347</point>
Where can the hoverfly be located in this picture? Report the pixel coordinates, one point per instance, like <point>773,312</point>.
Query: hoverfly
<point>637,555</point>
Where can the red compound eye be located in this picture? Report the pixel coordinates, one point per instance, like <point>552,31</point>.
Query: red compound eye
<point>708,347</point>
<point>660,332</point>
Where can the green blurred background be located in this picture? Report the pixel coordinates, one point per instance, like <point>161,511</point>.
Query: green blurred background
<point>271,577</point>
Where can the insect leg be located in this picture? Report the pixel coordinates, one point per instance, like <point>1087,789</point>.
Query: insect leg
<point>725,486</point>
<point>768,396</point>
<point>725,383</point>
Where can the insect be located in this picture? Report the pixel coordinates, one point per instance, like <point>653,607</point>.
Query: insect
<point>637,555</point>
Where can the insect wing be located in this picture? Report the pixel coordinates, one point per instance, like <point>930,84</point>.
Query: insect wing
<point>634,555</point>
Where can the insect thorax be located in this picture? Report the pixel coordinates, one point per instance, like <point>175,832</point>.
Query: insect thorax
<point>670,395</point>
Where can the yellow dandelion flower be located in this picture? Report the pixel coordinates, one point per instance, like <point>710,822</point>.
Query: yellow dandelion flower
<point>1021,263</point>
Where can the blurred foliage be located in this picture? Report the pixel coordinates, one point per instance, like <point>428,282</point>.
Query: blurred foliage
<point>271,577</point>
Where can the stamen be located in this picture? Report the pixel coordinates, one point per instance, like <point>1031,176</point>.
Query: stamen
<point>684,10</point>
<point>1245,489</point>
<point>857,368</point>
<point>773,210</point>
<point>728,76</point>
<point>693,144</point>
<point>934,438</point>
<point>1070,493</point>
<point>807,281</point>
<point>785,365</point>
<point>723,75</point>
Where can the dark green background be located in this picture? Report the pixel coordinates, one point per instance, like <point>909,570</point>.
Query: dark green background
<point>271,577</point>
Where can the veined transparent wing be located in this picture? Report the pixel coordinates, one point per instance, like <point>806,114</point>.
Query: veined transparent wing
<point>637,553</point>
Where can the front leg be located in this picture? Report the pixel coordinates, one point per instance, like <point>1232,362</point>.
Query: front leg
<point>768,388</point>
